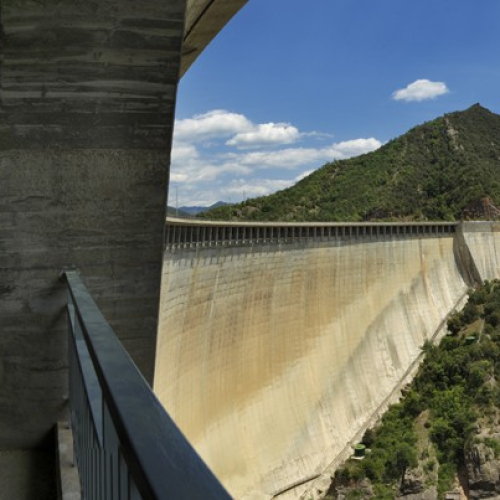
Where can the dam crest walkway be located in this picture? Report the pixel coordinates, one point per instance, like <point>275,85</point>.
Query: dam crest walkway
<point>187,233</point>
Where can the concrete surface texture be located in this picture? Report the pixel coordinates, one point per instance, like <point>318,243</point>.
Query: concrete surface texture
<point>87,96</point>
<point>483,241</point>
<point>27,475</point>
<point>69,486</point>
<point>271,358</point>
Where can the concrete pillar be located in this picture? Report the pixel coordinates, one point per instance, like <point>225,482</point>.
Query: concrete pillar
<point>87,95</point>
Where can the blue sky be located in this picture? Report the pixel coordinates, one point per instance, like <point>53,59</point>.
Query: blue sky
<point>285,88</point>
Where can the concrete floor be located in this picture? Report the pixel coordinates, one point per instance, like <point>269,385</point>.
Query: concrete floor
<point>27,475</point>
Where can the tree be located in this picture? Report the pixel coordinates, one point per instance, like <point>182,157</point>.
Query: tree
<point>406,457</point>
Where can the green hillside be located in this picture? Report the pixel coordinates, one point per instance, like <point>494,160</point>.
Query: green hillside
<point>444,434</point>
<point>433,172</point>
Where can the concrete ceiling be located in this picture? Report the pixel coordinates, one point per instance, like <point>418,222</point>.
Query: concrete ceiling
<point>204,20</point>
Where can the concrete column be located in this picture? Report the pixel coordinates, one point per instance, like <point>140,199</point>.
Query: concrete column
<point>87,95</point>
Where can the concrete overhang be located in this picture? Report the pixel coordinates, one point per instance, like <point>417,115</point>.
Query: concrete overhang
<point>204,20</point>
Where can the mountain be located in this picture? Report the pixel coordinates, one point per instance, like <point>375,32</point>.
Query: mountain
<point>174,212</point>
<point>198,210</point>
<point>436,171</point>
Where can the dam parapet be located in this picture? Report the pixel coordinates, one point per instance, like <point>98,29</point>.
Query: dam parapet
<point>185,233</point>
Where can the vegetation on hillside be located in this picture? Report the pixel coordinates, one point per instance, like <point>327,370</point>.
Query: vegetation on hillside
<point>433,172</point>
<point>455,395</point>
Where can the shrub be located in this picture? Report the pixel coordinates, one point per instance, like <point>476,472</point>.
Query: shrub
<point>368,437</point>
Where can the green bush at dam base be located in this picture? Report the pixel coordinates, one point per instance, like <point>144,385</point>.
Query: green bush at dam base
<point>448,417</point>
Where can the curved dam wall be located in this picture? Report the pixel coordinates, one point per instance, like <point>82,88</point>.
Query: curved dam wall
<point>483,242</point>
<point>270,357</point>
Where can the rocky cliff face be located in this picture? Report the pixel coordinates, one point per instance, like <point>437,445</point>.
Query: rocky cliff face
<point>483,465</point>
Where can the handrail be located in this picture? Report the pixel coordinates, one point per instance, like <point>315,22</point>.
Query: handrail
<point>197,221</point>
<point>142,453</point>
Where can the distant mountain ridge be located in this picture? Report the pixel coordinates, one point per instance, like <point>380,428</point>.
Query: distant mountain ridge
<point>174,212</point>
<point>198,210</point>
<point>435,171</point>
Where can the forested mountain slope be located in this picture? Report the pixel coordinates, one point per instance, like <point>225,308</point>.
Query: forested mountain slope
<point>433,172</point>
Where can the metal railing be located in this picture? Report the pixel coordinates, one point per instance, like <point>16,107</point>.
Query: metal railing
<point>192,234</point>
<point>126,445</point>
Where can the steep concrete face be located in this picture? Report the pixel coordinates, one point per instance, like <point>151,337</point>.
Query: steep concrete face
<point>87,93</point>
<point>270,358</point>
<point>483,241</point>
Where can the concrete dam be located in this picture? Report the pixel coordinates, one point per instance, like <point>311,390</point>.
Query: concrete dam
<point>279,344</point>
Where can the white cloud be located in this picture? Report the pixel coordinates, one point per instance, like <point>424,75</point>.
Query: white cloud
<point>266,134</point>
<point>292,158</point>
<point>206,169</point>
<point>182,152</point>
<point>303,175</point>
<point>220,124</point>
<point>249,188</point>
<point>216,123</point>
<point>211,160</point>
<point>212,172</point>
<point>238,189</point>
<point>420,90</point>
<point>355,147</point>
<point>178,177</point>
<point>232,190</point>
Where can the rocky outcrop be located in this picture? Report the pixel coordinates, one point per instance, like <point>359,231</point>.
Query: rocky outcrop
<point>364,487</point>
<point>412,488</point>
<point>413,482</point>
<point>483,469</point>
<point>429,494</point>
